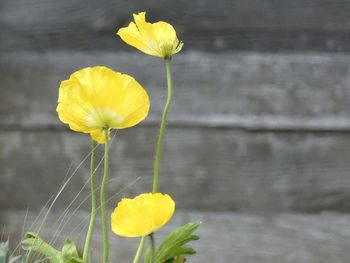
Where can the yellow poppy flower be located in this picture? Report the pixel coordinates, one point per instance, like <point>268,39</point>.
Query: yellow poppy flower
<point>158,39</point>
<point>142,215</point>
<point>96,98</point>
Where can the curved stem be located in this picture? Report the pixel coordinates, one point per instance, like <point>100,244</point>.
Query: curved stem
<point>139,250</point>
<point>86,253</point>
<point>103,200</point>
<point>162,127</point>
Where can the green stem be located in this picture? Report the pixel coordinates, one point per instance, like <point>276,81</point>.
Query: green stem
<point>139,250</point>
<point>153,246</point>
<point>103,200</point>
<point>87,246</point>
<point>162,127</point>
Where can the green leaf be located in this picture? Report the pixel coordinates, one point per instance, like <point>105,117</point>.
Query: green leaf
<point>148,255</point>
<point>4,252</point>
<point>172,249</point>
<point>70,252</point>
<point>76,260</point>
<point>32,242</point>
<point>180,259</point>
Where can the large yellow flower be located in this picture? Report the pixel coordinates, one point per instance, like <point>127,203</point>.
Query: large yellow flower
<point>142,215</point>
<point>96,98</point>
<point>158,39</point>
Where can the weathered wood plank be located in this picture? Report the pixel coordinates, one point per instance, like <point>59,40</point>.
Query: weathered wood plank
<point>206,169</point>
<point>220,25</point>
<point>244,90</point>
<point>225,237</point>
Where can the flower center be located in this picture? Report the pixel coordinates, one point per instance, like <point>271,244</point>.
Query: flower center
<point>102,118</point>
<point>167,47</point>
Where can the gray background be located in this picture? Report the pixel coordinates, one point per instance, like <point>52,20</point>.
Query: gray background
<point>258,144</point>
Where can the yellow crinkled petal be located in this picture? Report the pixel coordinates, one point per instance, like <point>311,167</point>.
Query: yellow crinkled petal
<point>158,39</point>
<point>145,28</point>
<point>96,98</point>
<point>69,108</point>
<point>142,215</point>
<point>131,35</point>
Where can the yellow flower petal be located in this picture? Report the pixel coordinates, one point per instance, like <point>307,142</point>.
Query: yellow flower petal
<point>96,98</point>
<point>158,39</point>
<point>142,215</point>
<point>132,36</point>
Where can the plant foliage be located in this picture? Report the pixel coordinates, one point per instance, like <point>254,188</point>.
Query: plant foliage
<point>69,253</point>
<point>172,249</point>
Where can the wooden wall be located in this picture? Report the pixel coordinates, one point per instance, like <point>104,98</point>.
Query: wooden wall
<point>258,142</point>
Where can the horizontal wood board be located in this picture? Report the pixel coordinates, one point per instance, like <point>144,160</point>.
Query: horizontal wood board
<point>225,237</point>
<point>202,24</point>
<point>204,169</point>
<point>243,90</point>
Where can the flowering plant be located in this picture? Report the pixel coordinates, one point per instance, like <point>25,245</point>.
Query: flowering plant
<point>96,100</point>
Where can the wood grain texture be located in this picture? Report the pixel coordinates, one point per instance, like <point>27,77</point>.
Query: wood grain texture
<point>220,25</point>
<point>204,169</point>
<point>243,90</point>
<point>225,237</point>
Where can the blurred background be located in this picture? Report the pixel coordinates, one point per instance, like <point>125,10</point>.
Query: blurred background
<point>258,141</point>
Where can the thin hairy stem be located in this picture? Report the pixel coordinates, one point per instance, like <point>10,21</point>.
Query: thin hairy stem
<point>63,186</point>
<point>87,246</point>
<point>139,250</point>
<point>103,200</point>
<point>162,128</point>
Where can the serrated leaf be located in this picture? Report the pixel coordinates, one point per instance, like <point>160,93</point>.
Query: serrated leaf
<point>32,242</point>
<point>172,248</point>
<point>70,252</point>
